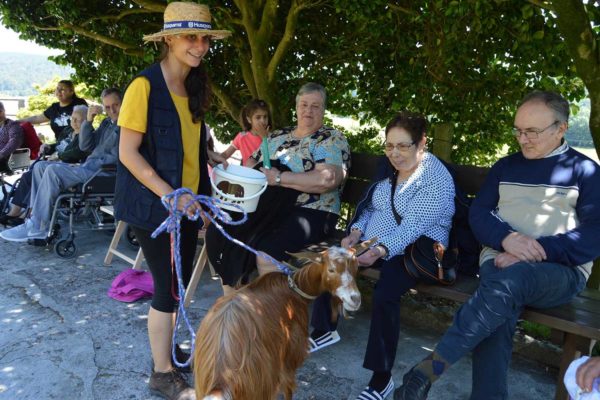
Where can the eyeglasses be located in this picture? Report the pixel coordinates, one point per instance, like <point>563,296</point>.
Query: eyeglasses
<point>402,147</point>
<point>531,133</point>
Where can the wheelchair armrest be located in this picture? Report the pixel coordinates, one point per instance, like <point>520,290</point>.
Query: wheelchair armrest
<point>108,167</point>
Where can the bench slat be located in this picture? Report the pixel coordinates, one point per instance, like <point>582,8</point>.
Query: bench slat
<point>469,178</point>
<point>354,190</point>
<point>574,321</point>
<point>364,166</point>
<point>581,316</point>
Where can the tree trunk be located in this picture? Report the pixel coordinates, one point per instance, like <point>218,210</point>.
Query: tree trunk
<point>595,118</point>
<point>442,141</point>
<point>583,44</point>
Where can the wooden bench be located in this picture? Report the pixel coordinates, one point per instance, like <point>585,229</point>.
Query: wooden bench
<point>575,326</point>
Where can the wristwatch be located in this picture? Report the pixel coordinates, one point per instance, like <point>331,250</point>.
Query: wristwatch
<point>278,179</point>
<point>383,251</point>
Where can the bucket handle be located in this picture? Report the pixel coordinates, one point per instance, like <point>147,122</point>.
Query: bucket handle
<point>231,197</point>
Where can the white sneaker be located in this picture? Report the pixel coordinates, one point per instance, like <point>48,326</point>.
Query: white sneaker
<point>16,234</point>
<point>325,340</point>
<point>33,233</point>
<point>23,232</point>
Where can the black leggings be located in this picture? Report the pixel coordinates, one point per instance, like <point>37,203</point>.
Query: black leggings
<point>158,256</point>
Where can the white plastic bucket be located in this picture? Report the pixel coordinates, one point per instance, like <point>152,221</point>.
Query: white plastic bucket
<point>238,185</point>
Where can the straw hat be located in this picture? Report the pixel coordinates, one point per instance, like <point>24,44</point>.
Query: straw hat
<point>187,18</point>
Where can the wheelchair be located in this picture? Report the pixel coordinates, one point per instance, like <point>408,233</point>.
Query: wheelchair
<point>18,162</point>
<point>77,203</point>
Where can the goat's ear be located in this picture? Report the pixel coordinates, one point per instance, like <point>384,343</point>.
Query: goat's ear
<point>362,247</point>
<point>307,255</point>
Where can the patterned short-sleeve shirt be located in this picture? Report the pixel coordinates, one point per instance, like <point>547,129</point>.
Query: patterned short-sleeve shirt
<point>326,145</point>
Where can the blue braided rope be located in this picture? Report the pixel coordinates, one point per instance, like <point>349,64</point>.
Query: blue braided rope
<point>172,225</point>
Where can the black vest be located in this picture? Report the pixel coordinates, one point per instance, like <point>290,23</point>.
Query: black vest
<point>162,147</point>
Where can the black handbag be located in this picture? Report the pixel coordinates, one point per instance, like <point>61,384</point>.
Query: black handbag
<point>426,259</point>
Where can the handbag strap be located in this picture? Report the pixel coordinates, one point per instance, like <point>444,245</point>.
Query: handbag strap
<point>394,183</point>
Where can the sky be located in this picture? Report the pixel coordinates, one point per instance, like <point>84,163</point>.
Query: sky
<point>10,42</point>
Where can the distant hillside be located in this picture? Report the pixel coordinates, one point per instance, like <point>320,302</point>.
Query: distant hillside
<point>20,71</point>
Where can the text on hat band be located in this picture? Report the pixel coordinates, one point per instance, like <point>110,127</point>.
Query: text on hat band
<point>187,24</point>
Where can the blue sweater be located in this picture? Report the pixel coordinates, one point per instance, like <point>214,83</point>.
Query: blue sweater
<point>554,199</point>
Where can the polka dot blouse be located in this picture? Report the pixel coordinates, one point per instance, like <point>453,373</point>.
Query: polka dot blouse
<point>425,201</point>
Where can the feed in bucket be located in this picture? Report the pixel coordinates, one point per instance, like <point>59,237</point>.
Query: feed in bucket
<point>238,185</point>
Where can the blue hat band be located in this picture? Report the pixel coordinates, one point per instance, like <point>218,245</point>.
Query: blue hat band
<point>187,25</point>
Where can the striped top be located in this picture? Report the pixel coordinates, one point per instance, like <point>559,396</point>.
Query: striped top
<point>554,199</point>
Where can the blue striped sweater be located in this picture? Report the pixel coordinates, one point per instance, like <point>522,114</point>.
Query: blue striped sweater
<point>554,199</point>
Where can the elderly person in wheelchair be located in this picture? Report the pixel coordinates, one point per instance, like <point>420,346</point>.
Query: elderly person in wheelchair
<point>66,150</point>
<point>50,179</point>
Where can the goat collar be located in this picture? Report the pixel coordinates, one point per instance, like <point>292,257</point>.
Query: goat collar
<point>296,289</point>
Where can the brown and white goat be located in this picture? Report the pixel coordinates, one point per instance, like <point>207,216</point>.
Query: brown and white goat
<point>250,343</point>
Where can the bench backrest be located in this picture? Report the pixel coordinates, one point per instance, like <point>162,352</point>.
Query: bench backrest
<point>364,168</point>
<point>362,171</point>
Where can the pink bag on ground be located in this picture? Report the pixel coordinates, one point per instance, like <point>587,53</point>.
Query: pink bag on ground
<point>131,285</point>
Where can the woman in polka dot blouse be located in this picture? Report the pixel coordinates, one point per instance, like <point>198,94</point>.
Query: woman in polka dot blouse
<point>424,199</point>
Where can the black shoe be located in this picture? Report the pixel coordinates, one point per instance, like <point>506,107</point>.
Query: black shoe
<point>7,221</point>
<point>171,385</point>
<point>415,386</point>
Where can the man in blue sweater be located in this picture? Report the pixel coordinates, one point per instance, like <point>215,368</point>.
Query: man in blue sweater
<point>538,217</point>
<point>51,178</point>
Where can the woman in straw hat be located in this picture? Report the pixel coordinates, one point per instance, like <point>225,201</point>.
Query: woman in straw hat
<point>163,147</point>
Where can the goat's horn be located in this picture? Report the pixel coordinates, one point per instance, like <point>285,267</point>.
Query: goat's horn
<point>361,247</point>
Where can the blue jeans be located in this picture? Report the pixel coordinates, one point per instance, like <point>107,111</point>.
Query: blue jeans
<point>49,179</point>
<point>486,323</point>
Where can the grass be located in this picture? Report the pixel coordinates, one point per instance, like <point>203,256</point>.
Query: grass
<point>534,330</point>
<point>542,332</point>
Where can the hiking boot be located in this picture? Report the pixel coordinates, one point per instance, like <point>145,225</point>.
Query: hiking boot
<point>415,386</point>
<point>171,385</point>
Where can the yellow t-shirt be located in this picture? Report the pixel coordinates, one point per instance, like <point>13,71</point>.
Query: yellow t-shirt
<point>134,113</point>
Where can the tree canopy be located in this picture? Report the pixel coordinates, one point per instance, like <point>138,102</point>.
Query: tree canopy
<point>465,64</point>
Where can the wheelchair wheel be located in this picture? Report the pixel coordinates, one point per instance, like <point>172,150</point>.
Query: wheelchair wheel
<point>65,248</point>
<point>131,239</point>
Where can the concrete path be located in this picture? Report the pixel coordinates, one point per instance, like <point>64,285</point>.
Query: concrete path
<point>61,337</point>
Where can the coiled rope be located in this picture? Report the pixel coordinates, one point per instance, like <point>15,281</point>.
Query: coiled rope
<point>172,225</point>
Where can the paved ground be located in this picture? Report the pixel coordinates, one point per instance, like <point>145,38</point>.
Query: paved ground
<point>61,337</point>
